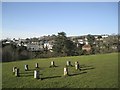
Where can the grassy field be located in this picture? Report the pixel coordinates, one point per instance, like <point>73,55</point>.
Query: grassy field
<point>98,71</point>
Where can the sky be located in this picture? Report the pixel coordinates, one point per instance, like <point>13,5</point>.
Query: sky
<point>35,19</point>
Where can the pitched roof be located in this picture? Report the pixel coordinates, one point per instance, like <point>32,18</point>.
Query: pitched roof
<point>86,46</point>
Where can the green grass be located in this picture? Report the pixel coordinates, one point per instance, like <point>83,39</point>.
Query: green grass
<point>98,71</point>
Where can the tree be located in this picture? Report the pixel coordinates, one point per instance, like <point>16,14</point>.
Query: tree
<point>78,48</point>
<point>70,48</point>
<point>91,40</point>
<point>63,46</point>
<point>9,53</point>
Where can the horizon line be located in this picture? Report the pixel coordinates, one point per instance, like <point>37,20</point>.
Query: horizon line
<point>55,34</point>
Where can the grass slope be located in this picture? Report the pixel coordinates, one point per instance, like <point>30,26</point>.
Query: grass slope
<point>98,71</point>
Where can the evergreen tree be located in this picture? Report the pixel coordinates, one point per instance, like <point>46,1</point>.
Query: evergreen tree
<point>63,46</point>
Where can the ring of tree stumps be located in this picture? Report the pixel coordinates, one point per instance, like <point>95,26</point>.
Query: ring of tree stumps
<point>36,75</point>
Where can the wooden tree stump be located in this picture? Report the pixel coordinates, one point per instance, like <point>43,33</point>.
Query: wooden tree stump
<point>17,72</point>
<point>52,64</point>
<point>65,71</point>
<point>68,63</point>
<point>77,66</point>
<point>26,67</point>
<point>36,74</point>
<point>36,65</point>
<point>14,70</point>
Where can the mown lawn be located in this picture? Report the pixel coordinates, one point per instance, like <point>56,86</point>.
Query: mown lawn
<point>98,71</point>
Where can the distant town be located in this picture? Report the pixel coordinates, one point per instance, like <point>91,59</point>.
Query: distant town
<point>84,44</point>
<point>38,44</point>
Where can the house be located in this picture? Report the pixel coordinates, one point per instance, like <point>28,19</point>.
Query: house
<point>6,41</point>
<point>49,46</point>
<point>104,36</point>
<point>33,47</point>
<point>86,47</point>
<point>80,41</point>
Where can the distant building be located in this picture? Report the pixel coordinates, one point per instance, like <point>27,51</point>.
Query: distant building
<point>34,47</point>
<point>86,47</point>
<point>49,46</point>
<point>104,36</point>
<point>80,41</point>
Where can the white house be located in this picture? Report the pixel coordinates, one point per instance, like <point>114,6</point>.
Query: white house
<point>48,45</point>
<point>80,41</point>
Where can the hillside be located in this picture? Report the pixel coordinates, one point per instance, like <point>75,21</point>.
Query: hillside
<point>98,71</point>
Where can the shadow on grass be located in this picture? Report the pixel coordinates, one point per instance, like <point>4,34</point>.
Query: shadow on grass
<point>31,70</point>
<point>27,75</point>
<point>84,66</point>
<point>63,76</point>
<point>70,66</point>
<point>50,77</point>
<point>82,69</point>
<point>26,72</point>
<point>53,66</point>
<point>77,73</point>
